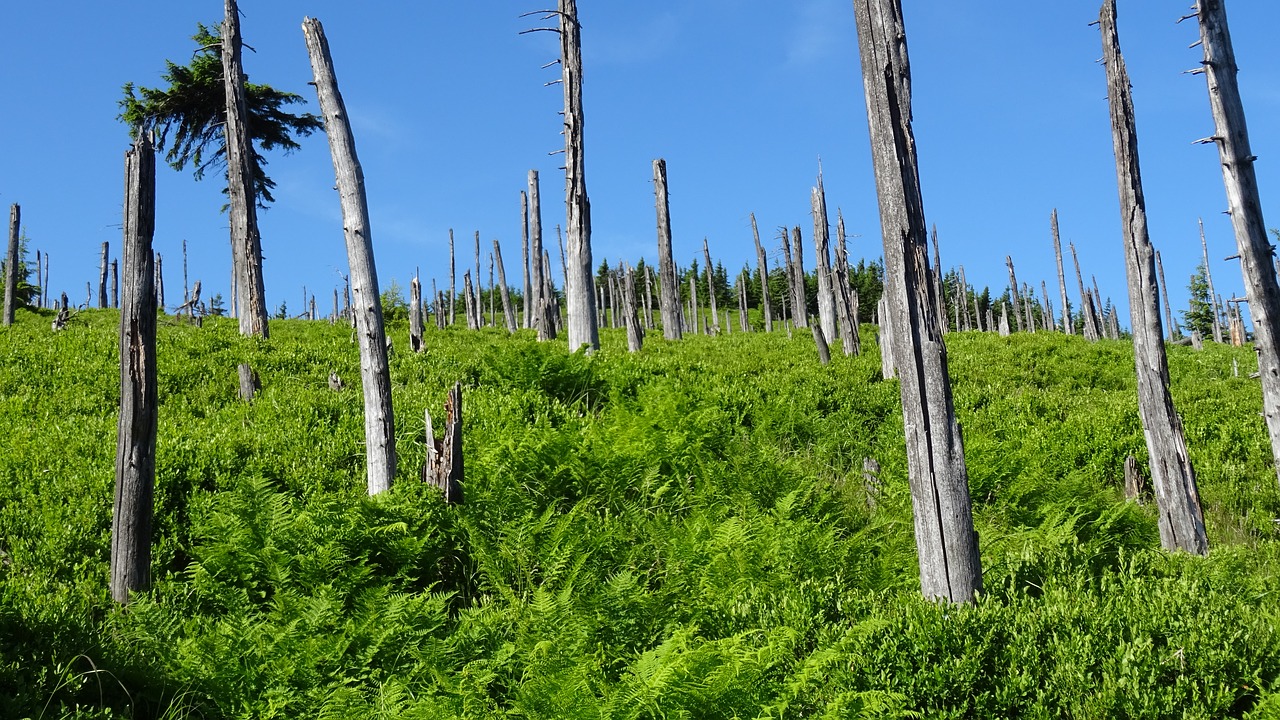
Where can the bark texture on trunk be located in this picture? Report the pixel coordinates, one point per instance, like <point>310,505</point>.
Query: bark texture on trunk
<point>243,211</point>
<point>508,310</point>
<point>668,285</point>
<point>947,545</point>
<point>136,437</point>
<point>1067,326</point>
<point>1180,518</point>
<point>579,282</point>
<point>822,260</point>
<point>527,302</point>
<point>762,263</point>
<point>379,422</point>
<point>443,465</point>
<point>711,289</point>
<point>11,265</point>
<point>415,314</point>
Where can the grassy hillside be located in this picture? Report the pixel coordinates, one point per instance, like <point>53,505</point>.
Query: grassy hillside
<point>682,533</point>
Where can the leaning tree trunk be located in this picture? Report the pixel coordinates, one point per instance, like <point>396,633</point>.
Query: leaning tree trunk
<point>415,314</point>
<point>1180,519</point>
<point>245,242</point>
<point>845,297</point>
<point>379,423</point>
<point>1013,293</point>
<point>136,437</point>
<point>508,310</point>
<point>1091,331</point>
<point>950,566</point>
<point>1172,328</point>
<point>822,260</point>
<point>11,265</point>
<point>579,282</point>
<point>668,285</point>
<point>1208,278</point>
<point>711,289</point>
<point>762,263</point>
<point>1067,326</point>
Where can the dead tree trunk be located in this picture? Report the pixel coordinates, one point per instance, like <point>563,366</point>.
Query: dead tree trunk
<point>1180,519</point>
<point>1090,326</point>
<point>579,282</point>
<point>11,265</point>
<point>115,284</point>
<point>800,309</point>
<point>136,437</point>
<point>846,304</point>
<point>1238,175</point>
<point>695,311</point>
<point>249,382</point>
<point>469,302</point>
<point>711,289</point>
<point>539,277</point>
<point>668,285</point>
<point>104,266</point>
<point>1067,326</point>
<point>1013,293</point>
<point>1004,320</point>
<point>936,278</point>
<point>243,212</point>
<point>159,283</point>
<point>379,422</point>
<point>1172,328</point>
<point>635,333</point>
<point>1208,278</point>
<point>527,301</point>
<point>478,307</point>
<point>453,283</point>
<point>508,310</point>
<point>886,339</point>
<point>1048,323</point>
<point>415,314</point>
<point>822,260</point>
<point>824,350</point>
<point>443,465</point>
<point>744,324</point>
<point>762,263</point>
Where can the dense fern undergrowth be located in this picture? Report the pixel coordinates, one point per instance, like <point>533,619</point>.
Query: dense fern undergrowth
<point>682,533</point>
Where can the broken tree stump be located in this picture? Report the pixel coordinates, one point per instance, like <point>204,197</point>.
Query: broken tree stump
<point>443,465</point>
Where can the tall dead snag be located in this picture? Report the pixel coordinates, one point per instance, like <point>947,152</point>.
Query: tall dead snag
<point>469,301</point>
<point>246,245</point>
<point>824,350</point>
<point>1174,481</point>
<point>668,285</point>
<point>11,265</point>
<point>886,339</point>
<point>1232,137</point>
<point>789,274</point>
<point>453,283</point>
<point>1172,328</point>
<point>711,288</point>
<point>415,314</point>
<point>950,566</point>
<point>508,310</point>
<point>800,309</point>
<point>159,283</point>
<point>1013,293</point>
<point>635,332</point>
<point>846,298</point>
<point>379,423</point>
<point>579,281</point>
<point>1067,326</point>
<point>136,438</point>
<point>744,324</point>
<point>104,265</point>
<point>1086,305</point>
<point>822,260</point>
<point>1208,278</point>
<point>762,263</point>
<point>527,321</point>
<point>115,284</point>
<point>443,464</point>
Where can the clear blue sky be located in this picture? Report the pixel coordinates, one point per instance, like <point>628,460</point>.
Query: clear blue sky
<point>741,98</point>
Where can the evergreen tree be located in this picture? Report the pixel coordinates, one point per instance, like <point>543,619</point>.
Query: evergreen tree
<point>1199,316</point>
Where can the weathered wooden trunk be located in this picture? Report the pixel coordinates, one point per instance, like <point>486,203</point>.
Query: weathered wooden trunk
<point>1180,518</point>
<point>1171,329</point>
<point>824,350</point>
<point>846,298</point>
<point>711,288</point>
<point>668,284</point>
<point>800,307</point>
<point>579,281</point>
<point>379,422</point>
<point>249,382</point>
<point>11,265</point>
<point>443,465</point>
<point>950,567</point>
<point>453,282</point>
<point>1067,326</point>
<point>1208,278</point>
<point>635,332</point>
<point>762,265</point>
<point>104,268</point>
<point>1091,331</point>
<point>415,315</point>
<point>886,339</point>
<point>1245,207</point>
<point>526,301</point>
<point>822,260</point>
<point>508,310</point>
<point>1013,293</point>
<point>136,436</point>
<point>243,212</point>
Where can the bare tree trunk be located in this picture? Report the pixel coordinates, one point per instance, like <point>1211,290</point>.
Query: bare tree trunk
<point>527,302</point>
<point>1090,326</point>
<point>1180,519</point>
<point>762,263</point>
<point>744,324</point>
<point>822,260</point>
<point>711,288</point>
<point>159,283</point>
<point>245,242</point>
<point>1013,293</point>
<point>1208,277</point>
<point>1004,320</point>
<point>443,465</point>
<point>1238,176</point>
<point>508,310</point>
<point>477,307</point>
<point>115,285</point>
<point>695,312</point>
<point>415,315</point>
<point>668,284</point>
<point>1067,326</point>
<point>539,278</point>
<point>950,567</point>
<point>648,297</point>
<point>846,302</point>
<point>635,333</point>
<point>1172,329</point>
<point>788,271</point>
<point>800,311</point>
<point>136,437</point>
<point>249,382</point>
<point>1047,322</point>
<point>104,267</point>
<point>964,301</point>
<point>379,422</point>
<point>886,339</point>
<point>468,301</point>
<point>579,284</point>
<point>824,350</point>
<point>11,265</point>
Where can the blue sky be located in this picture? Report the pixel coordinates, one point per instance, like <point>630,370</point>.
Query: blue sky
<point>741,98</point>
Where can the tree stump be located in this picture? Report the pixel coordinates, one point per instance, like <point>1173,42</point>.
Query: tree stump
<point>443,465</point>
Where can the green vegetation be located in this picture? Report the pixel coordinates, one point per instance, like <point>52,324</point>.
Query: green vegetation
<point>680,533</point>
